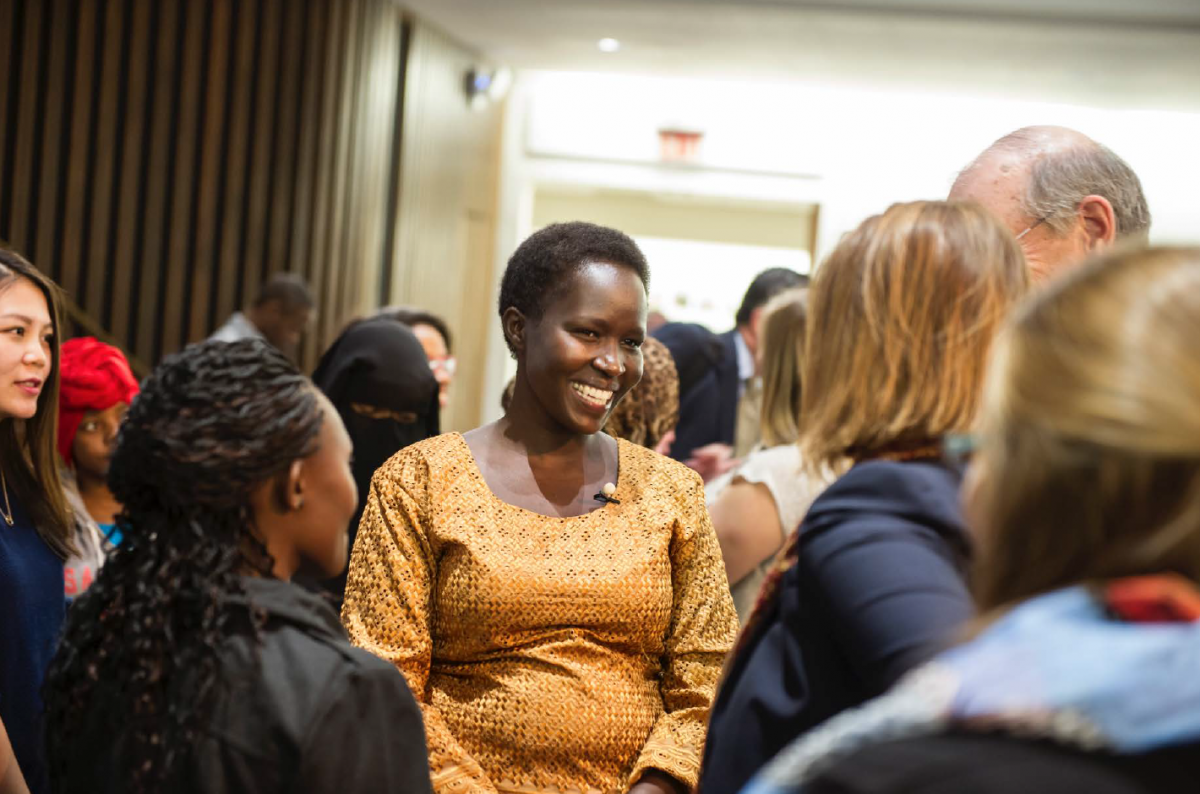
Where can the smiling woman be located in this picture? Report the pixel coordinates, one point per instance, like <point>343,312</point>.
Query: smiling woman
<point>35,532</point>
<point>559,641</point>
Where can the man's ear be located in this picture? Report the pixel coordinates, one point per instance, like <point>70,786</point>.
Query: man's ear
<point>1099,221</point>
<point>515,327</point>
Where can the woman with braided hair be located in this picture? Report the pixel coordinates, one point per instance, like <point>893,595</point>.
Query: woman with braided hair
<point>193,663</point>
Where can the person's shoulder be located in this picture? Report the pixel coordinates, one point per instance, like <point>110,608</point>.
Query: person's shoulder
<point>291,673</point>
<point>773,461</point>
<point>426,459</point>
<point>992,763</point>
<point>895,487</point>
<point>889,498</point>
<point>659,480</point>
<point>648,464</point>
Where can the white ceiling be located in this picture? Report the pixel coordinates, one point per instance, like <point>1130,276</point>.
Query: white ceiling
<point>1120,53</point>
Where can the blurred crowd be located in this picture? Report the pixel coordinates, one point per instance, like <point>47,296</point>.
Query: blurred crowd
<point>927,521</point>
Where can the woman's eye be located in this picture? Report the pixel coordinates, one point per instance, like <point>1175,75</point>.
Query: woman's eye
<point>634,342</point>
<point>16,330</point>
<point>587,333</point>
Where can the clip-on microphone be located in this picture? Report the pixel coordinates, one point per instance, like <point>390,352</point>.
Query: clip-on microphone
<point>606,493</point>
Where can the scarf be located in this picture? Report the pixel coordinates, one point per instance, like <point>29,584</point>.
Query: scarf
<point>94,377</point>
<point>1112,669</point>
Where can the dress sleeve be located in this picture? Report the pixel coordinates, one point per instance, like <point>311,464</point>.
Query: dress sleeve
<point>701,633</point>
<point>388,608</point>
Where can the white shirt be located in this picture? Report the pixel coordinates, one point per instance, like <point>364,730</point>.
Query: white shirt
<point>237,327</point>
<point>747,370</point>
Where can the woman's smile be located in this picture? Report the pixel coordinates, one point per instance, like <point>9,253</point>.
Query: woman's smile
<point>597,399</point>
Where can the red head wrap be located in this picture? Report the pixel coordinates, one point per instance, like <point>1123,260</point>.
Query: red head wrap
<point>95,377</point>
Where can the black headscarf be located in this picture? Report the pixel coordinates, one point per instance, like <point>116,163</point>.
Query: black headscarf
<point>378,378</point>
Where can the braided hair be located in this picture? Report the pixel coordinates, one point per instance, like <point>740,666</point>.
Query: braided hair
<point>140,647</point>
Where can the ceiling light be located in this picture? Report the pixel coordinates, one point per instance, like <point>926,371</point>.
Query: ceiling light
<point>608,45</point>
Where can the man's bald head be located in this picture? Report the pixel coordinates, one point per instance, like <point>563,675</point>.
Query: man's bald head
<point>1064,194</point>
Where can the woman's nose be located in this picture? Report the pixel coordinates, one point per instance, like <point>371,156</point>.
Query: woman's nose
<point>35,356</point>
<point>609,362</point>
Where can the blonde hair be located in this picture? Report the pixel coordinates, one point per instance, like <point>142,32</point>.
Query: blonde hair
<point>901,317</point>
<point>782,343</point>
<point>1090,458</point>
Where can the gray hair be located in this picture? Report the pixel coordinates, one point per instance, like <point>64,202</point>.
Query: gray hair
<point>1061,176</point>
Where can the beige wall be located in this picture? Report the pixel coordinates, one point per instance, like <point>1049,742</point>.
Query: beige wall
<point>643,214</point>
<point>445,221</point>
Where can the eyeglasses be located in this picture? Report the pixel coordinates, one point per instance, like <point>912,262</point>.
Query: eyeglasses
<point>447,365</point>
<point>1036,224</point>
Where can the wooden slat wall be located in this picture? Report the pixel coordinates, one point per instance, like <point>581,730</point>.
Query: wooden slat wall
<point>161,158</point>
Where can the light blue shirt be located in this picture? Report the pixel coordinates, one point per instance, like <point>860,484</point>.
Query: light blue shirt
<point>747,370</point>
<point>237,327</point>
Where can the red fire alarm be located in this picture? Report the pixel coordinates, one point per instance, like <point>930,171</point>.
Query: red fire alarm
<point>679,145</point>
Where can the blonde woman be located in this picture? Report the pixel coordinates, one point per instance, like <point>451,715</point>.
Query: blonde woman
<point>757,505</point>
<point>1085,494</point>
<point>901,319</point>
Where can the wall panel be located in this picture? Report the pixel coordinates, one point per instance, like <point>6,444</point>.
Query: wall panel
<point>445,213</point>
<point>161,158</point>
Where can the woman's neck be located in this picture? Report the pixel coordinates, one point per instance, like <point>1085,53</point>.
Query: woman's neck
<point>531,428</point>
<point>101,505</point>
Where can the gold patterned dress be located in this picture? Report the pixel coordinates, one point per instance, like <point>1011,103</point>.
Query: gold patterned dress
<point>548,654</point>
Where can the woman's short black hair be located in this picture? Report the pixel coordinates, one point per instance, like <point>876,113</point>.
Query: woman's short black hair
<point>540,264</point>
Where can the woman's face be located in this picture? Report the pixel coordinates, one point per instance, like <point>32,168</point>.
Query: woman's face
<point>321,528</point>
<point>96,439</point>
<point>25,347</point>
<point>440,360</point>
<point>584,353</point>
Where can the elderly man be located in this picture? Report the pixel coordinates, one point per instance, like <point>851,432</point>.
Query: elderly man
<point>1062,194</point>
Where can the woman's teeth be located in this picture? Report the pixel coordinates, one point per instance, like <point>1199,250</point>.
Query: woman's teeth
<point>592,394</point>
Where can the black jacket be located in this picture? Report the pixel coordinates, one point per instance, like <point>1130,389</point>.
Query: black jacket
<point>708,385</point>
<point>959,763</point>
<point>299,710</point>
<point>878,588</point>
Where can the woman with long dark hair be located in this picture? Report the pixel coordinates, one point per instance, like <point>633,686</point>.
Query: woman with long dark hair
<point>35,524</point>
<point>192,663</point>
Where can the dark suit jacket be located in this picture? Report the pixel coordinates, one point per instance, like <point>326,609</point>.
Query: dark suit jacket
<point>878,588</point>
<point>299,710</point>
<point>965,763</point>
<point>708,378</point>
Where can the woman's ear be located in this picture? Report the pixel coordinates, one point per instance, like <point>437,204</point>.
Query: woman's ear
<point>294,486</point>
<point>514,324</point>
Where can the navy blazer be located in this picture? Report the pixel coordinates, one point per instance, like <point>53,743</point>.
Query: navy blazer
<point>708,407</point>
<point>879,587</point>
<point>960,761</point>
